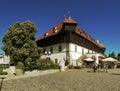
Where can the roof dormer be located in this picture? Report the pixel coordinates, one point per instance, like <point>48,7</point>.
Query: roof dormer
<point>69,25</point>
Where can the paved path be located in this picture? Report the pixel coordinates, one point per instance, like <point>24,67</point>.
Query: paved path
<point>31,74</point>
<point>1,83</point>
<point>70,80</point>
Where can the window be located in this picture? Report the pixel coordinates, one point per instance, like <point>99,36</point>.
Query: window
<point>83,51</point>
<point>69,27</point>
<point>88,51</point>
<point>56,61</point>
<point>44,50</point>
<point>75,48</point>
<point>60,48</point>
<point>51,49</point>
<point>46,34</point>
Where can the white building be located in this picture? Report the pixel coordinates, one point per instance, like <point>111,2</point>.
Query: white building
<point>67,41</point>
<point>4,59</point>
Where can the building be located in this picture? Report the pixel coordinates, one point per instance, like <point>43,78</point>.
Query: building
<point>67,41</point>
<point>4,60</point>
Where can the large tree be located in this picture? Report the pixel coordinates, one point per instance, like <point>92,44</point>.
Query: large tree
<point>19,42</point>
<point>112,55</point>
<point>118,56</point>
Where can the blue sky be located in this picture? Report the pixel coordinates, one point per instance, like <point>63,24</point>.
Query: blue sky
<point>99,18</point>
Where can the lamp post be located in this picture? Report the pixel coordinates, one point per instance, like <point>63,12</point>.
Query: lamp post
<point>47,53</point>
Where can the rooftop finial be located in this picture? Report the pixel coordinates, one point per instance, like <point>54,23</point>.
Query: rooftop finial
<point>65,17</point>
<point>69,16</point>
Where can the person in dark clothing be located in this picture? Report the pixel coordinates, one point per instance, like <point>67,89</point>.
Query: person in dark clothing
<point>95,67</point>
<point>99,67</point>
<point>106,67</point>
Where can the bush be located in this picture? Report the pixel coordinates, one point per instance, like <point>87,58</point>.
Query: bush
<point>70,66</point>
<point>1,68</point>
<point>20,65</point>
<point>30,67</point>
<point>67,62</point>
<point>3,73</point>
<point>43,64</point>
<point>55,66</point>
<point>118,65</point>
<point>27,61</point>
<point>83,66</point>
<point>77,67</point>
<point>74,67</point>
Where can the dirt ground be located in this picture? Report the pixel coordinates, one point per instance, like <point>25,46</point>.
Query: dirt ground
<point>70,80</point>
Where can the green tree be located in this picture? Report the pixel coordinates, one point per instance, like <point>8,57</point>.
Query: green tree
<point>112,55</point>
<point>19,42</point>
<point>118,56</point>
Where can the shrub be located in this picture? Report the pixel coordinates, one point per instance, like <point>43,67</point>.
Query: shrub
<point>77,67</point>
<point>31,66</point>
<point>55,66</point>
<point>20,65</point>
<point>70,66</point>
<point>44,64</point>
<point>118,65</point>
<point>3,73</point>
<point>67,62</point>
<point>27,61</point>
<point>1,67</point>
<point>83,66</point>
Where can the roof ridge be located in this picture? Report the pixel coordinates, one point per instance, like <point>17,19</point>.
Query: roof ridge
<point>70,20</point>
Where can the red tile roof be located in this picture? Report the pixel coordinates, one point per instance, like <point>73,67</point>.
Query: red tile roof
<point>102,45</point>
<point>56,29</point>
<point>53,31</point>
<point>69,20</point>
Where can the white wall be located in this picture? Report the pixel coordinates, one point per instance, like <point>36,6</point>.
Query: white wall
<point>90,51</point>
<point>59,56</point>
<point>4,60</point>
<point>56,54</point>
<point>73,54</point>
<point>85,50</point>
<point>79,49</point>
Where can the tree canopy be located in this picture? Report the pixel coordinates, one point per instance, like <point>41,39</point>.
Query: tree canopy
<point>112,55</point>
<point>118,56</point>
<point>19,42</point>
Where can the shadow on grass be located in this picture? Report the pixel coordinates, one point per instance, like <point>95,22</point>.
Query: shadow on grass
<point>115,73</point>
<point>91,71</point>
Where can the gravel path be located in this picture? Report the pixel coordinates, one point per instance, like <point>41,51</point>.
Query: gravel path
<point>70,80</point>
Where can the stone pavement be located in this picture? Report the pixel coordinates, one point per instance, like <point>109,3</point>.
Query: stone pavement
<point>69,80</point>
<point>30,74</point>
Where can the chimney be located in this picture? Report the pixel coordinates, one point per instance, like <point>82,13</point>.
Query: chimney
<point>97,41</point>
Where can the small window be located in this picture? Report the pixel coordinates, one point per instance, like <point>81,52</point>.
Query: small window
<point>46,34</point>
<point>44,50</point>
<point>55,31</point>
<point>51,49</point>
<point>55,28</point>
<point>56,61</point>
<point>88,51</point>
<point>75,48</point>
<point>83,51</point>
<point>60,48</point>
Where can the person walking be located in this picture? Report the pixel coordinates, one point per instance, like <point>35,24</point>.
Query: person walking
<point>106,67</point>
<point>99,67</point>
<point>95,67</point>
